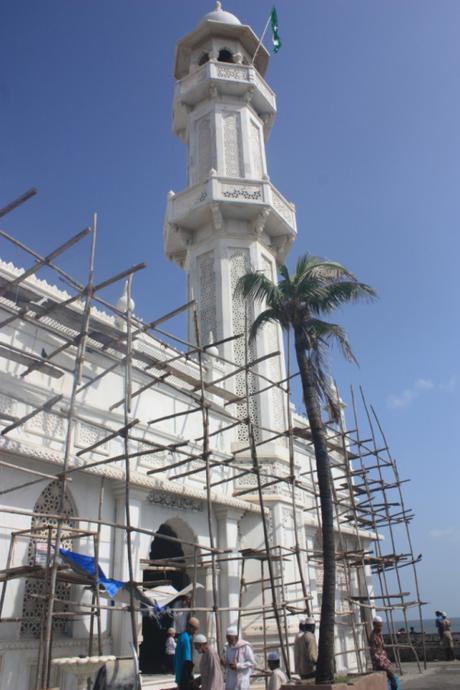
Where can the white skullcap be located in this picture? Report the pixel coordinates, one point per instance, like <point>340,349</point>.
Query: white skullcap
<point>232,630</point>
<point>273,656</point>
<point>199,639</point>
<point>309,621</point>
<point>443,613</point>
<point>378,619</point>
<point>171,631</point>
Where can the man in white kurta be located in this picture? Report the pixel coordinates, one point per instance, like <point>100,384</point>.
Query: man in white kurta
<point>238,661</point>
<point>277,678</point>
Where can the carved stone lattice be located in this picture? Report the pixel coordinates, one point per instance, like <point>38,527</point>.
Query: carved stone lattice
<point>271,332</point>
<point>203,157</point>
<point>6,404</point>
<point>207,296</point>
<point>232,144</point>
<point>33,608</point>
<point>247,481</point>
<point>46,424</point>
<point>88,435</point>
<point>256,151</point>
<point>150,461</point>
<point>246,193</point>
<point>239,265</point>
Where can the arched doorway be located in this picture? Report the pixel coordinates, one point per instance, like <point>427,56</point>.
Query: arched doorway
<point>151,652</point>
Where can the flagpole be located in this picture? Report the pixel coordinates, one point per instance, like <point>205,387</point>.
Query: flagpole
<point>261,38</point>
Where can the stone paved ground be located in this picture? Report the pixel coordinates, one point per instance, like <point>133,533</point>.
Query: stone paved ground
<point>439,676</point>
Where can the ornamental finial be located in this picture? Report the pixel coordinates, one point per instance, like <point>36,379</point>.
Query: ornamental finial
<point>218,5</point>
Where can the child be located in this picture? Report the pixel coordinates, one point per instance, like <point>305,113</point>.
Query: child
<point>170,649</point>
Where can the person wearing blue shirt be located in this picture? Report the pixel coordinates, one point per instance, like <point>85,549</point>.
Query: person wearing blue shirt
<point>183,663</point>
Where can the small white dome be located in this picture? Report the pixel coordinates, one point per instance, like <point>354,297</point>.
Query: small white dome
<point>122,305</point>
<point>220,15</point>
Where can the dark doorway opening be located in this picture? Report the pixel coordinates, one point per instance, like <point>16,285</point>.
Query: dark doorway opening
<point>225,56</point>
<point>152,648</point>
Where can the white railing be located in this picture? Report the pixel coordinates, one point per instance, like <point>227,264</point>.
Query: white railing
<point>282,206</point>
<point>184,201</point>
<point>223,70</point>
<point>228,72</point>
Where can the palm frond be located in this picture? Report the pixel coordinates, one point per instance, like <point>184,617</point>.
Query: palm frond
<point>256,286</point>
<point>266,316</point>
<point>326,332</point>
<point>330,270</point>
<point>339,293</point>
<point>317,286</point>
<point>284,273</point>
<point>309,266</point>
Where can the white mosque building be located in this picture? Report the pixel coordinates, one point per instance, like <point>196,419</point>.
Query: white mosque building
<point>228,219</point>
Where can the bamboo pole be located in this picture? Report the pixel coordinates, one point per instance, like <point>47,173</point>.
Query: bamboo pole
<point>9,560</point>
<point>390,526</point>
<point>107,523</point>
<point>282,587</point>
<point>205,423</point>
<point>95,599</point>
<point>381,575</point>
<point>254,458</point>
<point>44,671</point>
<point>18,201</point>
<point>264,618</point>
<point>293,477</point>
<point>127,411</point>
<point>44,261</point>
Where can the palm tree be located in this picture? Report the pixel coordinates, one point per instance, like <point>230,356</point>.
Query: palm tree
<point>316,288</point>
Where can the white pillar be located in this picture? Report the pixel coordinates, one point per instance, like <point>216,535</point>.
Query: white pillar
<point>121,628</point>
<point>229,580</point>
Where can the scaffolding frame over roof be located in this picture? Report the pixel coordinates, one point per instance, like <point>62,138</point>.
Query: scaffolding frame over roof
<point>368,499</point>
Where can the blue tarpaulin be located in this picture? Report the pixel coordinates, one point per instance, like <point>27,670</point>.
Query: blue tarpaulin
<point>86,565</point>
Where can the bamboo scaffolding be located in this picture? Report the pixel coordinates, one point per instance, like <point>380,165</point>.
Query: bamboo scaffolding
<point>254,458</point>
<point>365,477</point>
<point>209,505</point>
<point>127,483</point>
<point>12,205</point>
<point>43,674</point>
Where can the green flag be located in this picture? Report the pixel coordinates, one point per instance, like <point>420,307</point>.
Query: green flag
<point>275,31</point>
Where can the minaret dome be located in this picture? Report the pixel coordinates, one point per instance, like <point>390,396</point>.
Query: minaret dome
<point>220,15</point>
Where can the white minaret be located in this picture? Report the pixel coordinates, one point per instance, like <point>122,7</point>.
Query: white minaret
<point>230,218</point>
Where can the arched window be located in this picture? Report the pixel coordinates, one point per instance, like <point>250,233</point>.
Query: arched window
<point>32,608</point>
<point>225,56</point>
<point>203,59</point>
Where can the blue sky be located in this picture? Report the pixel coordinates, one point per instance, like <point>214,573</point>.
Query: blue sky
<point>366,143</point>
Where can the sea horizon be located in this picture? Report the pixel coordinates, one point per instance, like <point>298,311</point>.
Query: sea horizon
<point>429,625</point>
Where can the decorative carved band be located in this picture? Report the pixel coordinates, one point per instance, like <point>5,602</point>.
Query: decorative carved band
<point>247,193</point>
<point>175,501</point>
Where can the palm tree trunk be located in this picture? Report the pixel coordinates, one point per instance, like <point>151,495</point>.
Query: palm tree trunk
<point>326,658</point>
